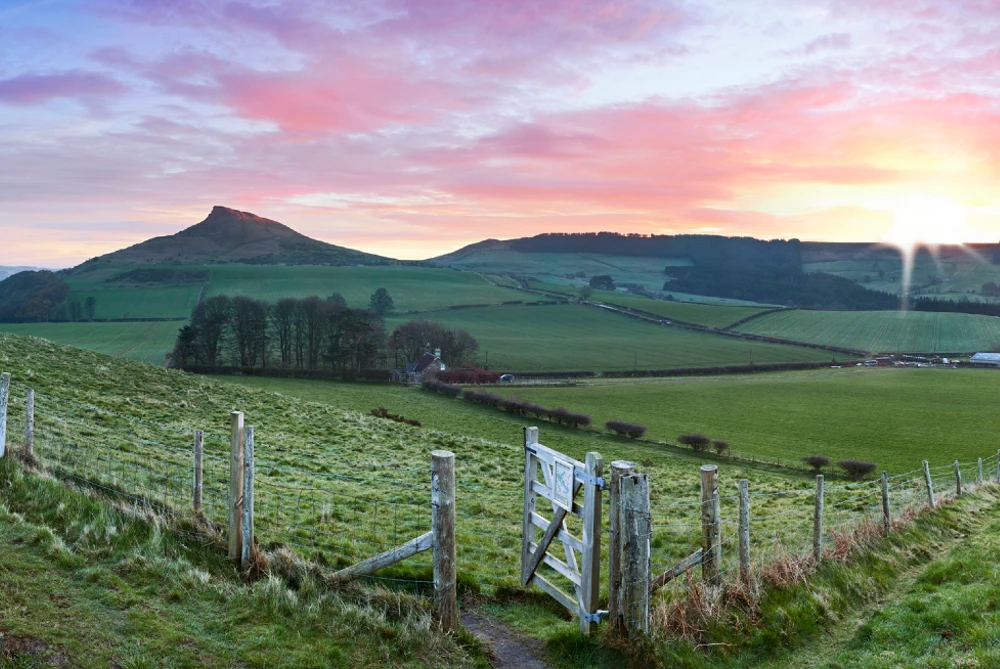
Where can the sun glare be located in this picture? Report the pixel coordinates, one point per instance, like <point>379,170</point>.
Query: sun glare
<point>927,221</point>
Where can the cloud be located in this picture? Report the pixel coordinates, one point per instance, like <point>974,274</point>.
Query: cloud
<point>30,89</point>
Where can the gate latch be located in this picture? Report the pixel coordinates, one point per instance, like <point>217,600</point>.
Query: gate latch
<point>587,478</point>
<point>594,617</point>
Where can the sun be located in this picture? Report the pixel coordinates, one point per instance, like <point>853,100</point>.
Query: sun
<point>927,221</point>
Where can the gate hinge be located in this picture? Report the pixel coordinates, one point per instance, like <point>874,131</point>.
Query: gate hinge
<point>587,478</point>
<point>594,617</point>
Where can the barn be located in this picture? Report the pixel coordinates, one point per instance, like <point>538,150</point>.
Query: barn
<point>986,360</point>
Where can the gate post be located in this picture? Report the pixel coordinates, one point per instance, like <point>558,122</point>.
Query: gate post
<point>619,470</point>
<point>527,526</point>
<point>246,550</point>
<point>236,487</point>
<point>590,589</point>
<point>636,528</point>
<point>443,527</point>
<point>711,547</point>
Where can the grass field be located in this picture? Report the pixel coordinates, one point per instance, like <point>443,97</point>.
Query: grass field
<point>883,331</point>
<point>136,418</point>
<point>713,316</point>
<point>148,341</point>
<point>412,288</point>
<point>574,337</point>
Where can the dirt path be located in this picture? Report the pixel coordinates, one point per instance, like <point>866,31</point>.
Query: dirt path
<point>507,648</point>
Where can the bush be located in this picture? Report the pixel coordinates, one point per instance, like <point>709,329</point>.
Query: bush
<point>817,462</point>
<point>382,412</point>
<point>857,469</point>
<point>623,429</point>
<point>721,447</point>
<point>697,442</point>
<point>441,387</point>
<point>476,376</point>
<point>483,399</point>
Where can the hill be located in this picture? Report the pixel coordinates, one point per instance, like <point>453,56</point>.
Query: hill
<point>230,236</point>
<point>6,271</point>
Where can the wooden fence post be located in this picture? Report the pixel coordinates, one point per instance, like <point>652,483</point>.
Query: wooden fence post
<point>29,428</point>
<point>979,471</point>
<point>236,486</point>
<point>958,480</point>
<point>199,446</point>
<point>590,587</point>
<point>818,520</point>
<point>886,515</point>
<point>246,552</point>
<point>636,528</point>
<point>930,484</point>
<point>530,500</point>
<point>744,531</point>
<point>619,470</point>
<point>4,402</point>
<point>711,547</point>
<point>998,466</point>
<point>443,528</point>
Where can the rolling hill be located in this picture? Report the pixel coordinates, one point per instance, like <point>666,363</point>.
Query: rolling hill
<point>230,236</point>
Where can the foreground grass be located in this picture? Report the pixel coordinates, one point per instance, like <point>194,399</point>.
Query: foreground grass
<point>90,585</point>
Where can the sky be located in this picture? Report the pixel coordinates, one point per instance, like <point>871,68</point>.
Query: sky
<point>409,128</point>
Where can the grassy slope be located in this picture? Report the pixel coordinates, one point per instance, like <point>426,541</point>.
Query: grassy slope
<point>142,341</point>
<point>952,278</point>
<point>713,316</point>
<point>100,587</point>
<point>538,338</point>
<point>878,331</point>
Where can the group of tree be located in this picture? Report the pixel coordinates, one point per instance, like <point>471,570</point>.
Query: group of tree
<point>700,443</point>
<point>963,306</point>
<point>786,285</point>
<point>854,469</point>
<point>414,338</point>
<point>31,296</point>
<point>311,334</point>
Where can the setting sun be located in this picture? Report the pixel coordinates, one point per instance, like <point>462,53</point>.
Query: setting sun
<point>924,220</point>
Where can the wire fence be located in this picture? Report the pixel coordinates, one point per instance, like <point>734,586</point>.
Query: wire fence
<point>338,513</point>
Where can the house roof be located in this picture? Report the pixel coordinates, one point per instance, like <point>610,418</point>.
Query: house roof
<point>986,357</point>
<point>422,363</point>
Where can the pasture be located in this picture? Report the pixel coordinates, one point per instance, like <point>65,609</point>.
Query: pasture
<point>883,331</point>
<point>412,288</point>
<point>894,417</point>
<point>573,337</point>
<point>139,302</point>
<point>143,341</point>
<point>713,316</point>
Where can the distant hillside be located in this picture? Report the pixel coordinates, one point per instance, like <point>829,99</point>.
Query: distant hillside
<point>7,271</point>
<point>230,236</point>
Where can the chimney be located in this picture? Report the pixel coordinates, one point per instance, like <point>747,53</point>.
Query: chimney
<point>437,354</point>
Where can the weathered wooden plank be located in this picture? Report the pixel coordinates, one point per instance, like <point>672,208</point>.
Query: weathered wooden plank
<point>744,530</point>
<point>563,536</point>
<point>818,520</point>
<point>958,480</point>
<point>636,528</point>
<point>979,471</point>
<point>199,453</point>
<point>530,472</point>
<point>711,545</point>
<point>548,472</point>
<point>4,405</point>
<point>29,429</point>
<point>886,511</point>
<point>590,589</point>
<point>688,563</point>
<point>546,454</point>
<point>412,547</point>
<point>246,550</point>
<point>556,593</point>
<point>443,527</point>
<point>564,569</point>
<point>546,492</point>
<point>930,484</point>
<point>535,556</point>
<point>236,486</point>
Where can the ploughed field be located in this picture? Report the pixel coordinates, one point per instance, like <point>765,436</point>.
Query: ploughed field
<point>882,331</point>
<point>573,337</point>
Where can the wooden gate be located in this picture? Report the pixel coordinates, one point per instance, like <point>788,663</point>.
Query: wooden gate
<point>562,480</point>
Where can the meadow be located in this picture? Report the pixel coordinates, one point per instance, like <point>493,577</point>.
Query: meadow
<point>709,315</point>
<point>953,277</point>
<point>883,331</point>
<point>573,337</point>
<point>336,485</point>
<point>142,341</point>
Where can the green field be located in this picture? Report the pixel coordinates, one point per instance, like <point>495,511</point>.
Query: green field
<point>146,341</point>
<point>713,316</point>
<point>135,420</point>
<point>412,288</point>
<point>883,331</point>
<point>574,337</point>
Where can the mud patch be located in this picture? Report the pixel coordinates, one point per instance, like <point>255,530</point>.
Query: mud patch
<point>36,652</point>
<point>507,648</point>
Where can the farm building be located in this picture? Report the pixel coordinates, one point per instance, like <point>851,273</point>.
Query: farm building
<point>986,359</point>
<point>414,372</point>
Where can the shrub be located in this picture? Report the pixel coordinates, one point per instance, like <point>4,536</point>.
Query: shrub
<point>532,409</point>
<point>577,420</point>
<point>558,415</point>
<point>817,462</point>
<point>441,387</point>
<point>624,429</point>
<point>476,376</point>
<point>382,412</point>
<point>721,447</point>
<point>697,442</point>
<point>857,469</point>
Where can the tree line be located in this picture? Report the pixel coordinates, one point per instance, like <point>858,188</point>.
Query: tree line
<point>310,334</point>
<point>29,297</point>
